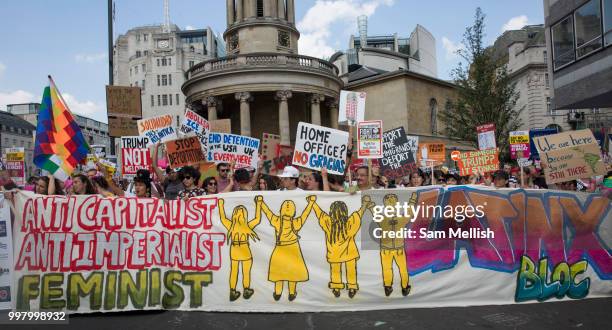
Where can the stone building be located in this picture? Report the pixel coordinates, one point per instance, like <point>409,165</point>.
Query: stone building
<point>264,85</point>
<point>16,132</point>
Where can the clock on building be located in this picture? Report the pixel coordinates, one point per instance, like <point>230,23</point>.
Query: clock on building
<point>163,43</point>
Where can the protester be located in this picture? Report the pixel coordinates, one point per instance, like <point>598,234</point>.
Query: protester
<point>190,177</point>
<point>500,179</point>
<point>332,182</point>
<point>362,176</point>
<point>171,182</point>
<point>81,185</point>
<point>290,178</point>
<point>417,178</point>
<point>92,172</point>
<point>102,186</point>
<point>224,178</point>
<point>382,182</point>
<point>451,179</point>
<point>48,185</point>
<point>142,184</point>
<point>210,185</point>
<point>265,182</point>
<point>313,182</point>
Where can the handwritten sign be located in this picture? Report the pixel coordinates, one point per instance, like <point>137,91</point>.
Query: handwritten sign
<point>369,139</point>
<point>269,146</point>
<point>196,124</point>
<point>157,129</point>
<point>482,161</point>
<point>225,148</point>
<point>486,136</point>
<point>135,155</point>
<point>124,107</point>
<point>431,154</point>
<point>569,156</point>
<point>221,125</point>
<point>351,107</point>
<point>536,133</point>
<point>317,147</point>
<point>519,144</point>
<point>399,153</point>
<point>183,152</point>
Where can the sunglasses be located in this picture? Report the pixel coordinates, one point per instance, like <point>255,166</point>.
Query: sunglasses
<point>212,183</point>
<point>223,170</point>
<point>187,178</point>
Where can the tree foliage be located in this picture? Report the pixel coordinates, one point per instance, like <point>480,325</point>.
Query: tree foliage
<point>485,92</point>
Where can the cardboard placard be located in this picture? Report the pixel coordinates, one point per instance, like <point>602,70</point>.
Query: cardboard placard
<point>399,153</point>
<point>124,100</point>
<point>135,155</point>
<point>351,107</point>
<point>369,139</point>
<point>535,133</point>
<point>15,164</point>
<point>225,148</point>
<point>196,124</point>
<point>277,164</point>
<point>482,161</point>
<point>220,125</point>
<point>317,147</point>
<point>122,126</point>
<point>184,152</point>
<point>431,154</point>
<point>157,129</point>
<point>519,144</point>
<point>486,136</point>
<point>569,156</point>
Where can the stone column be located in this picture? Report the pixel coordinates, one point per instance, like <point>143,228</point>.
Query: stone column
<point>315,108</point>
<point>211,103</point>
<point>239,11</point>
<point>283,116</point>
<point>230,12</point>
<point>245,112</point>
<point>270,8</point>
<point>281,9</point>
<point>332,104</point>
<point>290,11</point>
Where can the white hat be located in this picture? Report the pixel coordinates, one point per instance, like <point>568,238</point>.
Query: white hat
<point>289,172</point>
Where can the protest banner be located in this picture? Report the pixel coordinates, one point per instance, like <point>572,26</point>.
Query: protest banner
<point>317,147</point>
<point>157,129</point>
<point>183,152</point>
<point>123,254</point>
<point>135,155</point>
<point>536,133</point>
<point>431,154</point>
<point>519,144</point>
<point>274,156</point>
<point>369,139</point>
<point>351,107</point>
<point>569,156</point>
<point>220,125</point>
<point>6,255</point>
<point>196,124</point>
<point>486,136</point>
<point>482,161</point>
<point>399,153</point>
<point>15,164</point>
<point>269,146</point>
<point>124,108</point>
<point>226,148</point>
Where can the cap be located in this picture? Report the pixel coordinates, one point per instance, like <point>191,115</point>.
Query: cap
<point>289,172</point>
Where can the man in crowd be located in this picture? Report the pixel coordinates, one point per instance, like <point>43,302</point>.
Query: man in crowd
<point>290,178</point>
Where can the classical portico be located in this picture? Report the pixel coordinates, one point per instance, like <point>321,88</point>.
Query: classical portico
<point>263,85</point>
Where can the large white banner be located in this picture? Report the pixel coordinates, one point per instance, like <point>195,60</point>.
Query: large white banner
<point>6,255</point>
<point>305,252</point>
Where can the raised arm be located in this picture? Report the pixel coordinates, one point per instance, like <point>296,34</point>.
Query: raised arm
<point>112,187</point>
<point>230,186</point>
<point>227,223</point>
<point>51,186</point>
<point>321,215</point>
<point>156,168</point>
<point>253,223</point>
<point>325,180</point>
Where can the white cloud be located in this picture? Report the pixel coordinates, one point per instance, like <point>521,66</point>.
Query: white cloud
<point>15,97</point>
<point>516,23</point>
<point>84,108</point>
<point>189,27</point>
<point>451,48</point>
<point>90,58</point>
<point>316,24</point>
<point>2,69</point>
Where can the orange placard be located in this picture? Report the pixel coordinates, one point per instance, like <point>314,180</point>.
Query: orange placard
<point>183,152</point>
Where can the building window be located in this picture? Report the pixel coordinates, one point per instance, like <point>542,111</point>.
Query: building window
<point>145,37</point>
<point>544,56</point>
<point>164,99</point>
<point>191,63</point>
<point>138,37</point>
<point>588,28</point>
<point>158,62</point>
<point>549,110</point>
<point>146,52</point>
<point>563,42</point>
<point>546,81</point>
<point>143,84</point>
<point>177,99</point>
<point>158,81</point>
<point>260,10</point>
<point>170,98</point>
<point>144,67</point>
<point>164,80</point>
<point>136,83</point>
<point>136,69</point>
<point>170,79</point>
<point>158,100</point>
<point>164,61</point>
<point>170,61</point>
<point>283,38</point>
<point>130,71</point>
<point>152,101</point>
<point>433,108</point>
<point>138,53</point>
<point>595,110</point>
<point>607,22</point>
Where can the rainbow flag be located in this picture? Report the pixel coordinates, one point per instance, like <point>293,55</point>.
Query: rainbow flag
<point>60,145</point>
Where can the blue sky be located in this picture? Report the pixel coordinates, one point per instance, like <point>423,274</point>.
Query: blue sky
<point>69,38</point>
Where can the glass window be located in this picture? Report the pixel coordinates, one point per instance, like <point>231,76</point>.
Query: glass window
<point>177,99</point>
<point>136,69</point>
<point>158,62</point>
<point>164,99</point>
<point>158,100</point>
<point>607,7</point>
<point>146,37</point>
<point>546,81</point>
<point>164,79</point>
<point>152,101</point>
<point>433,107</point>
<point>158,81</point>
<point>588,28</point>
<point>164,61</point>
<point>563,42</point>
<point>144,67</point>
<point>170,79</point>
<point>191,63</point>
<point>143,84</point>
<point>170,61</point>
<point>170,98</point>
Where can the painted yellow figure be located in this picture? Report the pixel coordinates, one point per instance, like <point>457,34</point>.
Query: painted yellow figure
<point>239,232</point>
<point>392,249</point>
<point>287,262</point>
<point>340,231</point>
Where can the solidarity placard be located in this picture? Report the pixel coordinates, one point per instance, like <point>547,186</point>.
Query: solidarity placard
<point>157,129</point>
<point>183,152</point>
<point>369,139</point>
<point>196,124</point>
<point>482,161</point>
<point>318,147</point>
<point>135,155</point>
<point>399,153</point>
<point>225,148</point>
